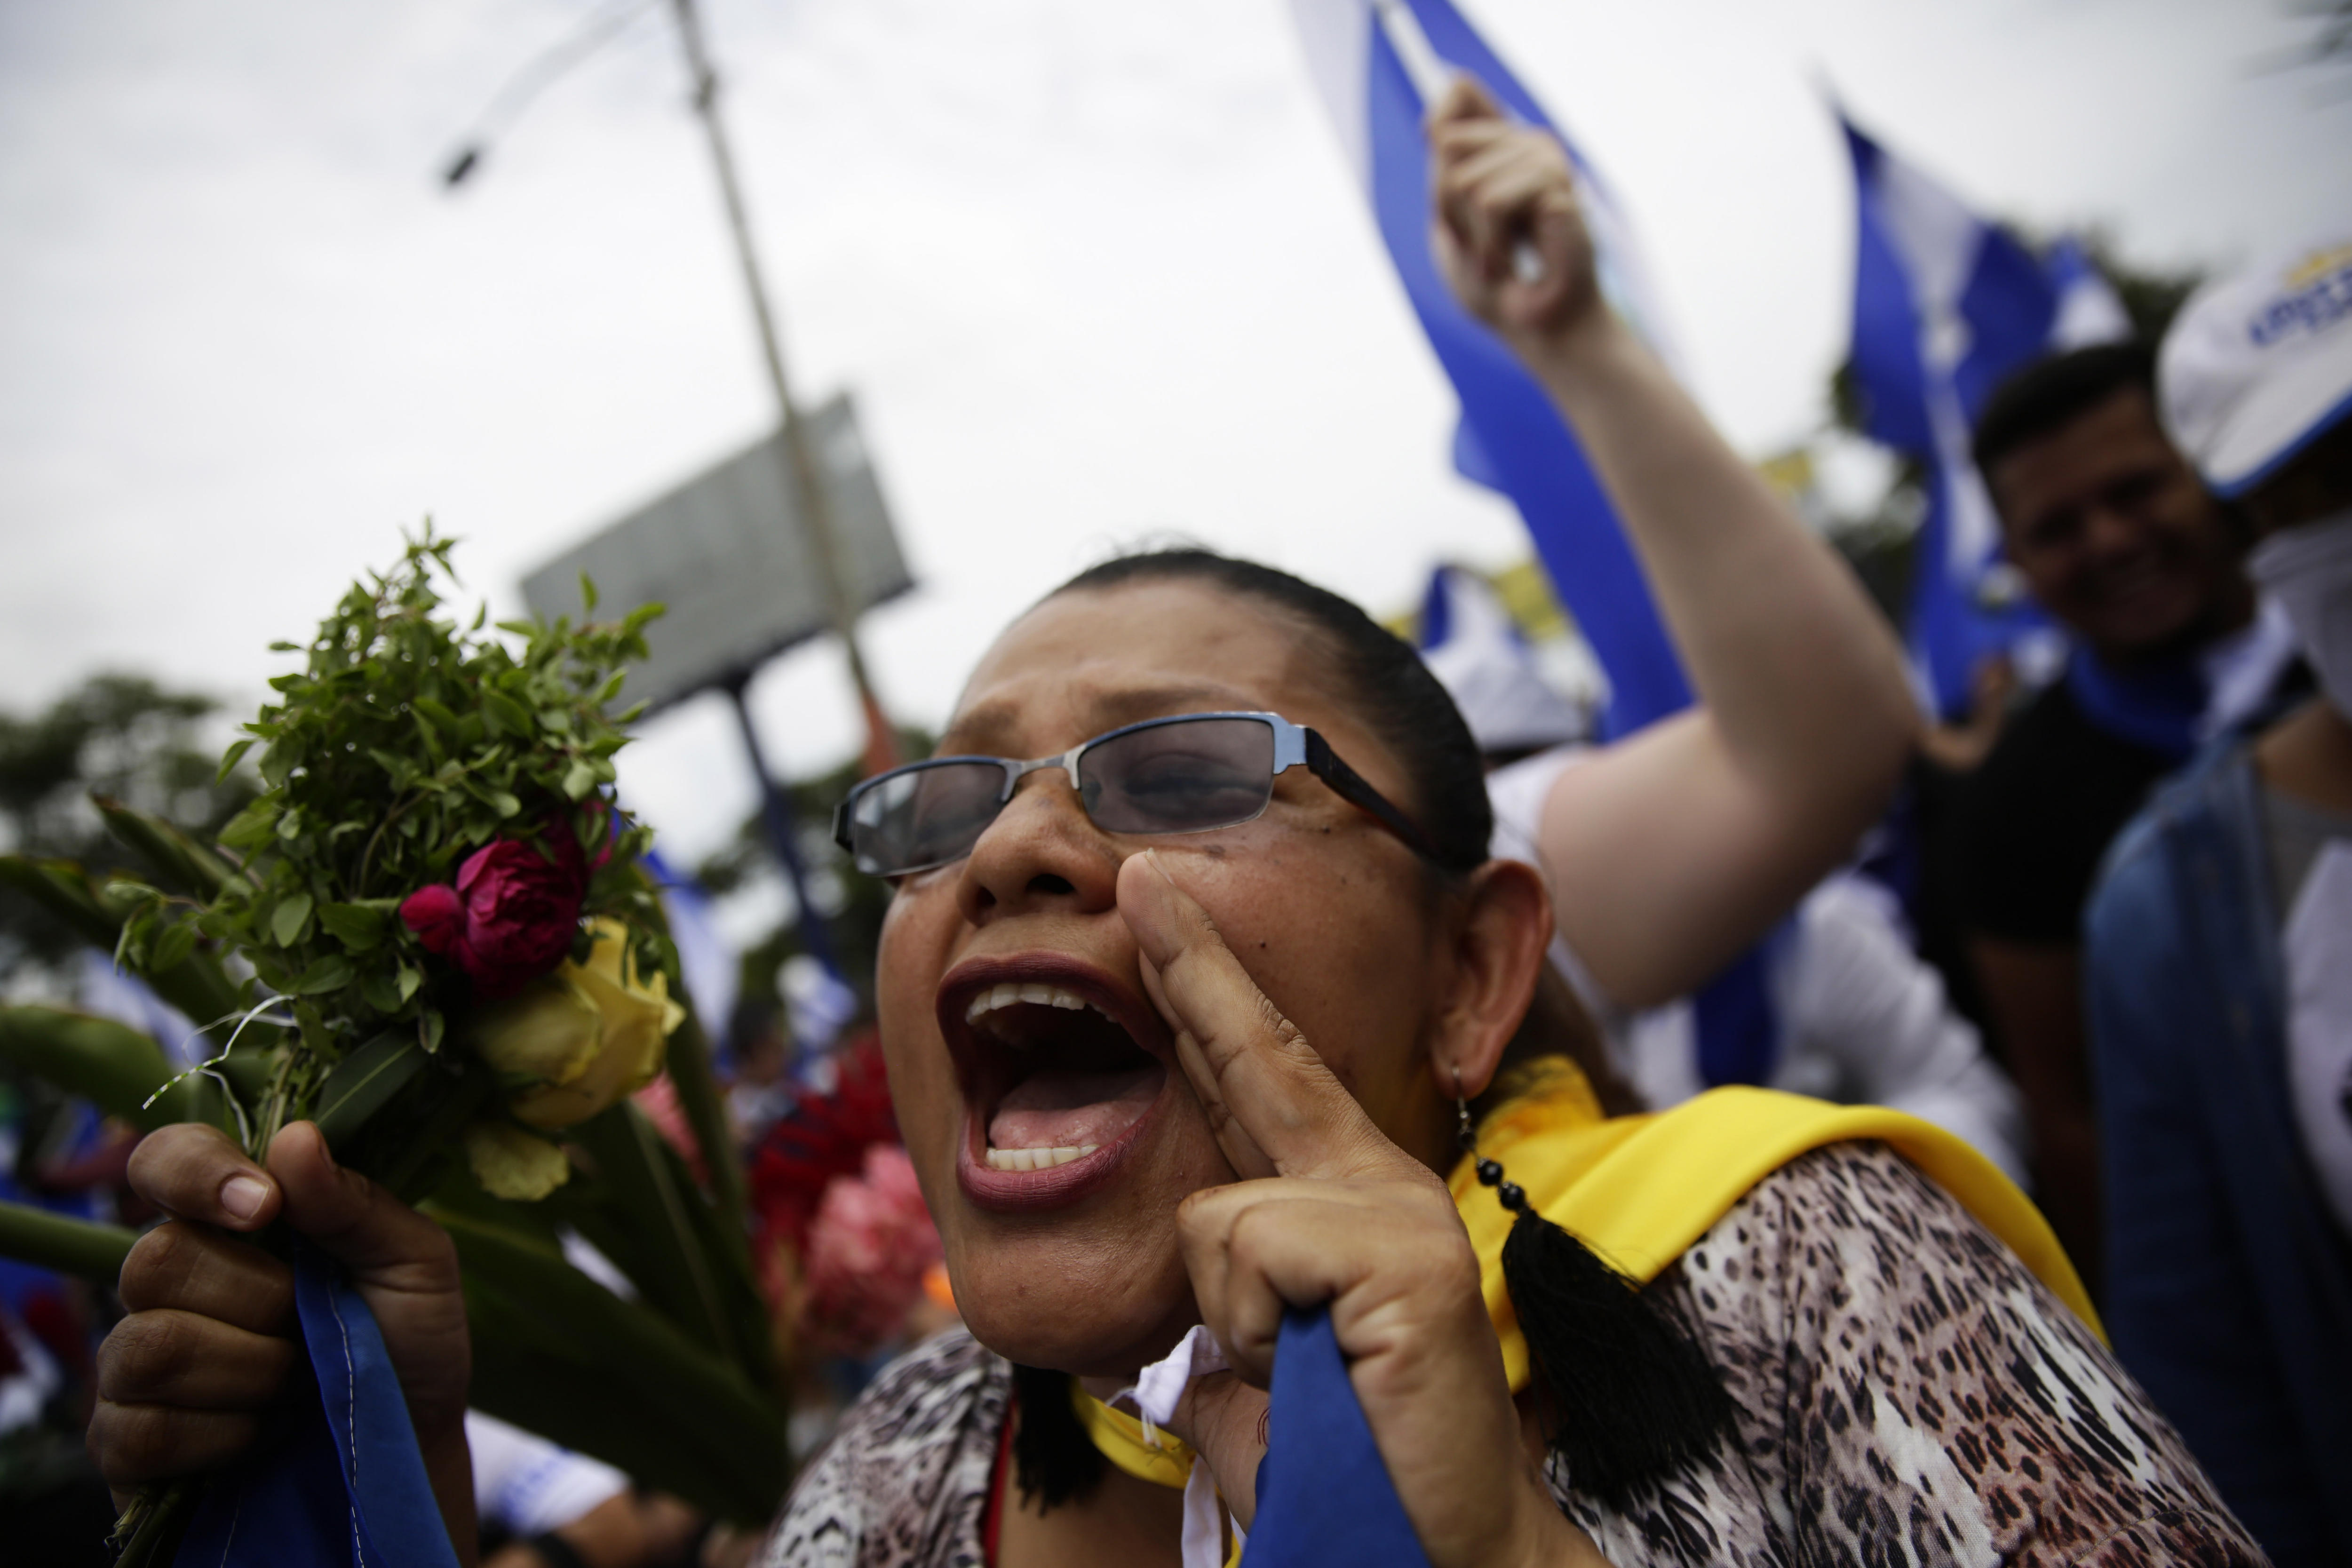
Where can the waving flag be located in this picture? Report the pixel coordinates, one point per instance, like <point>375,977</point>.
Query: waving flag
<point>1378,63</point>
<point>1945,306</point>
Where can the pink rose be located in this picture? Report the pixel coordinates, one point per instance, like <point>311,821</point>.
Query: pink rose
<point>512,915</point>
<point>869,1249</point>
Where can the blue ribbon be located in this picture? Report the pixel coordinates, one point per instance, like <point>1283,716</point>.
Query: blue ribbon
<point>342,1482</point>
<point>1323,1494</point>
<point>2159,707</point>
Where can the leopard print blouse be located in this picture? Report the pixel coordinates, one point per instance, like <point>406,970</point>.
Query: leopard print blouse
<point>1907,1394</point>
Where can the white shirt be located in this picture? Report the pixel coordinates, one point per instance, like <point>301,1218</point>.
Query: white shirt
<point>2318,950</point>
<point>1863,1020</point>
<point>530,1485</point>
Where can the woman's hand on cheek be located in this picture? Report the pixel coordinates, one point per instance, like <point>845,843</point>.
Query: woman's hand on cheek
<point>1346,1220</point>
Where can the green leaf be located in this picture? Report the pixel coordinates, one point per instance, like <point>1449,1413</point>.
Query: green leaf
<point>293,914</point>
<point>114,1067</point>
<point>332,972</point>
<point>505,714</point>
<point>254,826</point>
<point>358,927</point>
<point>234,755</point>
<point>172,947</point>
<point>186,865</point>
<point>579,781</point>
<point>76,1246</point>
<point>411,977</point>
<point>380,993</point>
<point>560,1355</point>
<point>363,1083</point>
<point>443,720</point>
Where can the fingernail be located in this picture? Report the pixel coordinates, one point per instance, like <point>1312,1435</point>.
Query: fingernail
<point>1153,856</point>
<point>243,1196</point>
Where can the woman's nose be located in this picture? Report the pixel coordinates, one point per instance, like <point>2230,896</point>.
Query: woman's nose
<point>1043,850</point>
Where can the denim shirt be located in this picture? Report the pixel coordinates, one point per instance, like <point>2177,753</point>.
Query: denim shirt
<point>2229,1287</point>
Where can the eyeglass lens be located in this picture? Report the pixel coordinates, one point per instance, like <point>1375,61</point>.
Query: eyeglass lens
<point>1185,777</point>
<point>924,816</point>
<point>1180,778</point>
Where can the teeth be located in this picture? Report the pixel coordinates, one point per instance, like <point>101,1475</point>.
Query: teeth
<point>1031,992</point>
<point>1036,1159</point>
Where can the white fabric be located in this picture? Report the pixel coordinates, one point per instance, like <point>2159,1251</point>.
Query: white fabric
<point>530,1485</point>
<point>1336,36</point>
<point>1518,794</point>
<point>2309,570</point>
<point>2259,363</point>
<point>1160,1387</point>
<point>116,993</point>
<point>2318,942</point>
<point>2242,670</point>
<point>1863,1020</point>
<point>1491,675</point>
<point>1157,1390</point>
<point>27,1391</point>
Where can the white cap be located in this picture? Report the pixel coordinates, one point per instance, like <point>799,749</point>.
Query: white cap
<point>1470,645</point>
<point>2258,365</point>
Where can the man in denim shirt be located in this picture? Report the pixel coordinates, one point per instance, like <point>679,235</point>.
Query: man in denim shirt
<point>2220,958</point>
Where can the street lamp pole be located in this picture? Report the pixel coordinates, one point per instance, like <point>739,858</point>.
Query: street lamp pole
<point>803,478</point>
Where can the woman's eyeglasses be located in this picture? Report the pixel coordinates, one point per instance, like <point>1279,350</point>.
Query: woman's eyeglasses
<point>1185,774</point>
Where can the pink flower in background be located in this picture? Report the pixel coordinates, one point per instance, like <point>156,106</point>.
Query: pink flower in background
<point>868,1248</point>
<point>512,915</point>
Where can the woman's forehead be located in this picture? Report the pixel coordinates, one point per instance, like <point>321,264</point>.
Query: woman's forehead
<point>1092,659</point>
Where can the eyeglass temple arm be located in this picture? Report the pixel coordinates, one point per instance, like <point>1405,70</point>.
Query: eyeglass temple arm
<point>1349,785</point>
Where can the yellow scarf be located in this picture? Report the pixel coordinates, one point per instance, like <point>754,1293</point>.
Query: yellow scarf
<point>1639,1190</point>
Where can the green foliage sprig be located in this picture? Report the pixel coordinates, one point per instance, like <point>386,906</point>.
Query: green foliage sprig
<point>405,743</point>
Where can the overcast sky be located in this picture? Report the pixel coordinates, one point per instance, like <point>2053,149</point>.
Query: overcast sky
<point>1095,271</point>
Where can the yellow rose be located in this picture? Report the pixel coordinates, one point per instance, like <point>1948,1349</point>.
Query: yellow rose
<point>634,1017</point>
<point>511,1163</point>
<point>550,1030</point>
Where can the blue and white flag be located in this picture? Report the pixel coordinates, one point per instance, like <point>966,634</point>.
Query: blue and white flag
<point>1378,63</point>
<point>1945,306</point>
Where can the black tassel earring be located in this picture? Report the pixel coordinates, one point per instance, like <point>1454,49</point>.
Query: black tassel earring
<point>1627,1394</point>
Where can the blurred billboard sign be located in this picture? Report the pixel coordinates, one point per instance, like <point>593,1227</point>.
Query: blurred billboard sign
<point>729,553</point>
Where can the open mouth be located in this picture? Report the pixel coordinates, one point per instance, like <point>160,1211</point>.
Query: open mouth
<point>1052,1076</point>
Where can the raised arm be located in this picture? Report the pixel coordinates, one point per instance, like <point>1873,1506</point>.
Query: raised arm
<point>1677,847</point>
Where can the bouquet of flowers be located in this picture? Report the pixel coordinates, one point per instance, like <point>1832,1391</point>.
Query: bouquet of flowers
<point>429,935</point>
<point>437,897</point>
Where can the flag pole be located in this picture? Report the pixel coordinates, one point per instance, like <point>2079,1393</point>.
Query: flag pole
<point>803,479</point>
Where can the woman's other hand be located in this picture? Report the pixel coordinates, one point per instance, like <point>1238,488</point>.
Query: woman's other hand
<point>1676,848</point>
<point>1337,1215</point>
<point>185,1381</point>
<point>1510,236</point>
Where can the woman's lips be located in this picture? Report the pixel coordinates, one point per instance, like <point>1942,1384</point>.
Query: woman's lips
<point>1107,1114</point>
<point>1056,1187</point>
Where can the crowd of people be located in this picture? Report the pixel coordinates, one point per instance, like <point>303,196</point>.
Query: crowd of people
<point>1293,982</point>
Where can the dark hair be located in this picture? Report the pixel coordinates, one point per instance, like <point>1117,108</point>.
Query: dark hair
<point>1625,1392</point>
<point>1389,687</point>
<point>2051,394</point>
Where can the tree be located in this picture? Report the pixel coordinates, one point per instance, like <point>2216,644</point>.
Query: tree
<point>123,737</point>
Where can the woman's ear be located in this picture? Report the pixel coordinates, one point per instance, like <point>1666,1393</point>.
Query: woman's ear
<point>1498,952</point>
